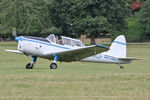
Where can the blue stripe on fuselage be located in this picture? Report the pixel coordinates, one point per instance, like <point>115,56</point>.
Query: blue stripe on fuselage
<point>120,43</point>
<point>32,40</point>
<point>109,58</point>
<point>99,56</point>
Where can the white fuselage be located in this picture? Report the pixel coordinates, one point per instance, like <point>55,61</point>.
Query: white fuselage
<point>40,48</point>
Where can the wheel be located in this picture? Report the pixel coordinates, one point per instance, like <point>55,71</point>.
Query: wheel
<point>121,67</point>
<point>29,66</point>
<point>53,66</point>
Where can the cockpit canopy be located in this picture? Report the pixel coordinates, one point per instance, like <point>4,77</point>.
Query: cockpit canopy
<point>65,41</point>
<point>72,42</point>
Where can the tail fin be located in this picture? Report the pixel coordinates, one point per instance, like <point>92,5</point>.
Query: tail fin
<point>118,48</point>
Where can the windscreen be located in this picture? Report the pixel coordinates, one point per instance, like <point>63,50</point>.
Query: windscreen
<point>51,38</point>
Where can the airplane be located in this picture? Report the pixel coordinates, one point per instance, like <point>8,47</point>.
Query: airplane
<point>69,50</point>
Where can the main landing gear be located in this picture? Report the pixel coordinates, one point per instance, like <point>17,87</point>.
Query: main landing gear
<point>31,65</point>
<point>53,65</point>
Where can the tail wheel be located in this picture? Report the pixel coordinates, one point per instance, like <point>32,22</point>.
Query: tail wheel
<point>29,66</point>
<point>121,67</point>
<point>53,66</point>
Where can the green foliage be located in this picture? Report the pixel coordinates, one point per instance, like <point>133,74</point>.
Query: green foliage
<point>34,17</point>
<point>138,25</point>
<point>144,18</point>
<point>51,30</point>
<point>31,16</point>
<point>90,17</point>
<point>127,2</point>
<point>90,25</point>
<point>134,32</point>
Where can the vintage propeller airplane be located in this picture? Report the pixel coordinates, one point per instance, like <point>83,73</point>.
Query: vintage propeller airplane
<point>69,50</point>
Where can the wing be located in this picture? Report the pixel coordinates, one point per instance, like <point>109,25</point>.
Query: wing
<point>14,51</point>
<point>80,53</point>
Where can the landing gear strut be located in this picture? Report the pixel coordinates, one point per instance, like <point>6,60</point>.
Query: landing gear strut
<point>31,65</point>
<point>53,65</point>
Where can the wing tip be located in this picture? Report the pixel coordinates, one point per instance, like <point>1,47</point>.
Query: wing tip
<point>13,51</point>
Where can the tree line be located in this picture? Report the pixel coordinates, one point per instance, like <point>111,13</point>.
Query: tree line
<point>65,17</point>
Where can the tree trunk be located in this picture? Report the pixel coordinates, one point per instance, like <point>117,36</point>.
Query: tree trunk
<point>1,39</point>
<point>93,40</point>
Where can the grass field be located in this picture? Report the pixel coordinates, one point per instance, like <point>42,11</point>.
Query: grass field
<point>74,81</point>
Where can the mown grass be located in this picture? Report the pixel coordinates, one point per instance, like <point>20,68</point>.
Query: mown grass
<point>74,81</point>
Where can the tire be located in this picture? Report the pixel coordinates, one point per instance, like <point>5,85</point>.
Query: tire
<point>53,66</point>
<point>29,66</point>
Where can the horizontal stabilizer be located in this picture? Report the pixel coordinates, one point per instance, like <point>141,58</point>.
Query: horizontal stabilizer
<point>129,58</point>
<point>14,51</point>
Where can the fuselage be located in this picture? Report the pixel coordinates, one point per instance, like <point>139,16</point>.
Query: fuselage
<point>40,46</point>
<point>101,58</point>
<point>35,46</point>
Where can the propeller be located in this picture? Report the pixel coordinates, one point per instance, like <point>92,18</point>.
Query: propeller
<point>14,33</point>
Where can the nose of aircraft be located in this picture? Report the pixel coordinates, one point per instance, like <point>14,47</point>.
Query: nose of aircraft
<point>17,38</point>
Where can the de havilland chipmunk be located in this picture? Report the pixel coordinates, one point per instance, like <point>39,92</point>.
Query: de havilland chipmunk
<point>69,50</point>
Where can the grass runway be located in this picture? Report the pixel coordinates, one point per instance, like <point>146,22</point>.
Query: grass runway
<point>74,81</point>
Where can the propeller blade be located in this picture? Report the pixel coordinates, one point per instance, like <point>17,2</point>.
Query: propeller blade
<point>14,33</point>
